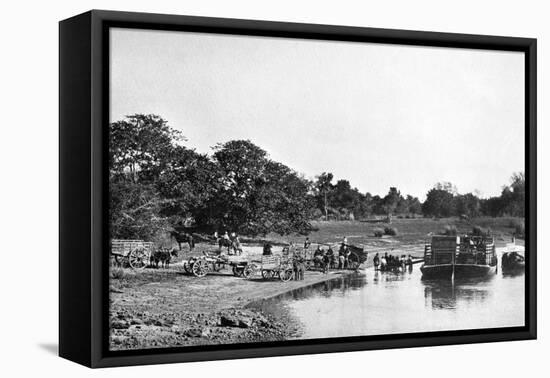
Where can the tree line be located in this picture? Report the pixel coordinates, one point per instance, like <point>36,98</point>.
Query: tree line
<point>156,184</point>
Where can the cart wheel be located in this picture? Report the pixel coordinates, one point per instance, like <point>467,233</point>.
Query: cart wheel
<point>285,274</point>
<point>137,259</point>
<point>199,269</point>
<point>249,271</point>
<point>353,262</point>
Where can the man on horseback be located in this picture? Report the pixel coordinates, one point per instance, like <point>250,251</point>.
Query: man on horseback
<point>225,241</point>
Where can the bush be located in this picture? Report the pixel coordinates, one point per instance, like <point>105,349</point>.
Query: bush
<point>450,230</point>
<point>117,273</point>
<point>378,232</point>
<point>480,231</point>
<point>390,231</point>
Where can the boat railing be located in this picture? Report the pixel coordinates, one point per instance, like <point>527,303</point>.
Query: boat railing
<point>481,253</point>
<point>439,255</point>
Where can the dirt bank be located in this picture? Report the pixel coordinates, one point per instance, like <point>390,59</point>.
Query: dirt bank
<point>164,307</point>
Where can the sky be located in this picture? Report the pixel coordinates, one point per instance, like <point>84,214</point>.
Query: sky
<point>378,115</point>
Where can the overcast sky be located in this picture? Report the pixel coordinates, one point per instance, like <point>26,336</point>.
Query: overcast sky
<point>377,115</point>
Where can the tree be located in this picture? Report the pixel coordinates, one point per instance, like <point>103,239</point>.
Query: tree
<point>259,195</point>
<point>133,210</point>
<point>439,202</point>
<point>467,204</point>
<point>391,200</point>
<point>324,187</point>
<point>513,197</point>
<point>492,206</point>
<point>139,152</point>
<point>139,146</point>
<point>414,205</point>
<point>190,186</point>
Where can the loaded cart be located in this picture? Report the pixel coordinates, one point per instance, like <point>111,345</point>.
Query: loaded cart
<point>135,253</point>
<point>200,266</point>
<point>270,267</point>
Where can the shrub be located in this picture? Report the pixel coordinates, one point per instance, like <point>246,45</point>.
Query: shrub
<point>480,231</point>
<point>450,230</point>
<point>390,231</point>
<point>378,232</point>
<point>117,273</point>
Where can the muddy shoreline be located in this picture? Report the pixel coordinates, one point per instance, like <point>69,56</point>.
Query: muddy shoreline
<point>166,308</point>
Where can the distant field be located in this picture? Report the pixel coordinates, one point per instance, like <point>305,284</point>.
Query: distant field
<point>411,232</point>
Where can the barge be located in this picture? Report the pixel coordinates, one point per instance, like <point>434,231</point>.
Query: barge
<point>459,256</point>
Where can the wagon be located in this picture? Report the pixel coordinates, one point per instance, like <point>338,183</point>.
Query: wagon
<point>200,266</point>
<point>270,267</point>
<point>135,253</point>
<point>357,256</point>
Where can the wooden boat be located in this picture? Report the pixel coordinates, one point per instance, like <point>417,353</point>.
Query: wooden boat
<point>513,259</point>
<point>457,257</point>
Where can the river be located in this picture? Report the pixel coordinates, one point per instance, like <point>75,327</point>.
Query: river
<point>375,303</point>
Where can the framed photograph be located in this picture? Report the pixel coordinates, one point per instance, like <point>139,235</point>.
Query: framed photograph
<point>235,188</point>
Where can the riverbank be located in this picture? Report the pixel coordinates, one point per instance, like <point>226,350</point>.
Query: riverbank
<point>166,308</point>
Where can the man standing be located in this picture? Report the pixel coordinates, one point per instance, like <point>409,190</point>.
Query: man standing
<point>237,245</point>
<point>298,266</point>
<point>227,242</point>
<point>376,261</point>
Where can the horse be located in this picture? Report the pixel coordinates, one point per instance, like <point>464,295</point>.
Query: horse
<point>162,256</point>
<point>183,237</point>
<point>225,243</point>
<point>230,245</point>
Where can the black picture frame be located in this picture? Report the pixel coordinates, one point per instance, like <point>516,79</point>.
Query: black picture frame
<point>83,231</point>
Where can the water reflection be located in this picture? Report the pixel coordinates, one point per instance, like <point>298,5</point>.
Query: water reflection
<point>443,293</point>
<point>327,289</point>
<point>371,303</point>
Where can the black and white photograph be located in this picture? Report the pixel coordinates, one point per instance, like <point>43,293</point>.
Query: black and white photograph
<point>235,189</point>
<point>267,189</point>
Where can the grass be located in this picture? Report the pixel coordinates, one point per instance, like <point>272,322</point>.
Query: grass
<point>411,231</point>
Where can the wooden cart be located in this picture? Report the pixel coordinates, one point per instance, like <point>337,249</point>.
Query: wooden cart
<point>270,267</point>
<point>135,253</point>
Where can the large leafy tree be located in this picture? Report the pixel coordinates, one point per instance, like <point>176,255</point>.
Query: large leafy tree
<point>439,201</point>
<point>139,152</point>
<point>189,186</point>
<point>258,195</point>
<point>140,147</point>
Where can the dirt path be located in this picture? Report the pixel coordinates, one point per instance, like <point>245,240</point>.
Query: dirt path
<point>165,307</point>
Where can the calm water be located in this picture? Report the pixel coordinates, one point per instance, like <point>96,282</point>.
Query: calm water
<point>370,303</point>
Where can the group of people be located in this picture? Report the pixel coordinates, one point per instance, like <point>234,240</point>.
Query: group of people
<point>231,242</point>
<point>390,262</point>
<point>327,259</point>
<point>298,259</point>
